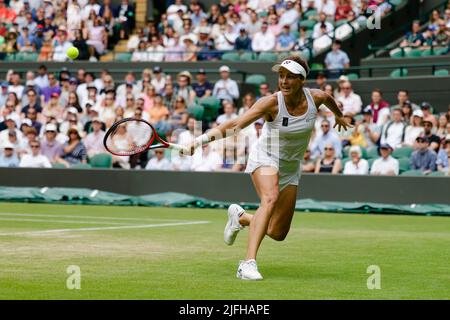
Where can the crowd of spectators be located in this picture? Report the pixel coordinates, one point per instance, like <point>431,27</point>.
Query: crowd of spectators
<point>47,28</point>
<point>189,31</point>
<point>435,34</point>
<point>59,118</point>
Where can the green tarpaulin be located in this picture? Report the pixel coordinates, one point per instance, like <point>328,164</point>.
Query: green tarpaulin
<point>173,199</point>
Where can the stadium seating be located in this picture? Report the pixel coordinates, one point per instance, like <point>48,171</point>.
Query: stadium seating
<point>403,164</point>
<point>402,152</point>
<point>101,160</point>
<point>230,56</point>
<point>398,73</point>
<point>247,56</point>
<point>372,153</point>
<point>255,79</point>
<point>267,56</point>
<point>197,111</point>
<point>81,166</point>
<point>412,173</point>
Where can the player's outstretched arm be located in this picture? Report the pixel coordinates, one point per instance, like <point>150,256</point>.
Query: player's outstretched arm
<point>320,98</point>
<point>264,107</point>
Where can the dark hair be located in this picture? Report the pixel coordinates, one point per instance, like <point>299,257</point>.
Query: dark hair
<point>300,61</point>
<point>404,90</point>
<point>377,90</point>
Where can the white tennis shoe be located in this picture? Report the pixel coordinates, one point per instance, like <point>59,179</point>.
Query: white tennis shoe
<point>248,270</point>
<point>233,226</point>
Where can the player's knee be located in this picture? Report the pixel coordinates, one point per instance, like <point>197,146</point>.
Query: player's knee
<point>270,200</point>
<point>276,235</point>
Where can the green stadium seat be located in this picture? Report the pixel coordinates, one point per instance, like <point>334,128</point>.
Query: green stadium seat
<point>395,2</point>
<point>256,79</point>
<point>123,56</point>
<point>396,53</point>
<point>196,111</point>
<point>437,174</point>
<point>344,161</point>
<point>414,53</point>
<point>352,76</point>
<point>309,33</point>
<point>402,152</point>
<point>283,55</point>
<point>441,72</point>
<point>211,107</point>
<point>340,22</point>
<point>372,153</point>
<point>371,161</point>
<point>230,56</point>
<point>317,67</point>
<point>412,173</point>
<point>81,166</point>
<point>310,13</point>
<point>267,56</point>
<point>101,160</point>
<point>345,152</point>
<point>58,166</point>
<point>27,56</point>
<point>426,53</point>
<point>308,24</point>
<point>440,51</point>
<point>399,73</point>
<point>403,164</point>
<point>247,56</point>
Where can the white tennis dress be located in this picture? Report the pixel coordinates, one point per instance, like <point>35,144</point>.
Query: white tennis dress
<point>283,142</point>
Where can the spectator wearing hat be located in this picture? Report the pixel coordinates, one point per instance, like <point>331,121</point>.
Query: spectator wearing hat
<point>53,108</point>
<point>190,49</point>
<point>10,127</point>
<point>71,120</point>
<point>158,162</point>
<point>243,41</point>
<point>336,60</point>
<point>25,41</point>
<point>263,40</point>
<point>74,150</point>
<point>356,165</point>
<point>393,132</point>
<point>351,102</point>
<point>285,41</point>
<point>35,159</point>
<point>415,129</point>
<point>203,88</point>
<point>61,44</point>
<point>423,158</point>
<point>50,147</point>
<point>386,164</point>
<point>8,158</point>
<point>158,79</point>
<point>434,140</point>
<point>183,87</point>
<point>94,140</point>
<point>226,88</point>
<point>380,108</point>
<point>443,156</point>
<point>427,115</point>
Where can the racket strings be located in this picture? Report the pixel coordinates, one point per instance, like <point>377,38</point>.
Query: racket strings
<point>129,137</point>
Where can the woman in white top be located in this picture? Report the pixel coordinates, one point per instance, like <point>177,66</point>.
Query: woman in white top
<point>274,164</point>
<point>356,165</point>
<point>415,129</point>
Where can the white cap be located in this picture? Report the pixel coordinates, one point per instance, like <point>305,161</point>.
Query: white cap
<point>73,110</point>
<point>9,118</point>
<point>8,145</point>
<point>27,122</point>
<point>50,127</point>
<point>30,83</point>
<point>224,69</point>
<point>292,66</point>
<point>343,78</point>
<point>355,149</point>
<point>418,113</point>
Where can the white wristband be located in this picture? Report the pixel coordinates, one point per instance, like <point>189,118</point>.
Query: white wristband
<point>201,140</point>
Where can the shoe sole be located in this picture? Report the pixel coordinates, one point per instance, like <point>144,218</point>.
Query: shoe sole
<point>227,226</point>
<point>248,279</point>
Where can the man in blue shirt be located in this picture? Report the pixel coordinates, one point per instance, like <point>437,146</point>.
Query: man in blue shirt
<point>286,40</point>
<point>25,41</point>
<point>243,42</point>
<point>327,136</point>
<point>203,88</point>
<point>7,157</point>
<point>336,61</point>
<point>423,158</point>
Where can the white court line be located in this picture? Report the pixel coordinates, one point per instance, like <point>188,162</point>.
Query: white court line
<point>60,221</point>
<point>86,217</point>
<point>103,228</point>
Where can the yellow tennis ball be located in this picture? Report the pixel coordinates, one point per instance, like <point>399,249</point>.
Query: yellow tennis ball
<point>72,53</point>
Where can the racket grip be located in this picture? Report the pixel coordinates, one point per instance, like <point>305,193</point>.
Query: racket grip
<point>178,147</point>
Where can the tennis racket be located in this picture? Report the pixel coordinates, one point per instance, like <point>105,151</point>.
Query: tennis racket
<point>131,136</point>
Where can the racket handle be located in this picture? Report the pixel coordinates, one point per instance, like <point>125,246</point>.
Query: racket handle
<point>178,147</point>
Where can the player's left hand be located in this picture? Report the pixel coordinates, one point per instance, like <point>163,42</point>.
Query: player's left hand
<point>342,122</point>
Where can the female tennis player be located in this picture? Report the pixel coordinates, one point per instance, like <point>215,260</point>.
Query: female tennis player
<point>274,164</point>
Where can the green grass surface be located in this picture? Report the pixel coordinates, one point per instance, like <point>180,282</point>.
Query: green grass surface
<point>325,256</point>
